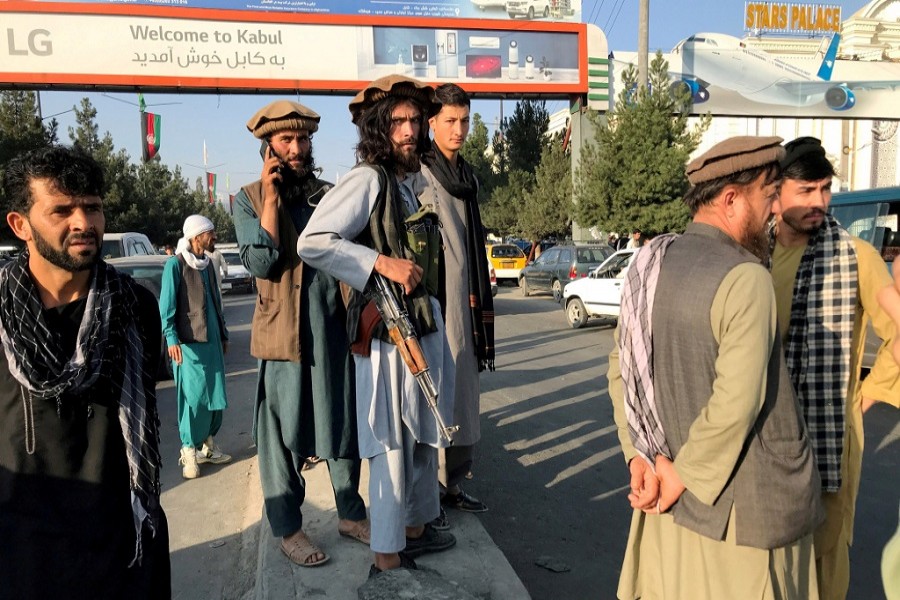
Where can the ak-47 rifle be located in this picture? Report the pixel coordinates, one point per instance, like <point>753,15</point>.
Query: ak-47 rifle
<point>404,337</point>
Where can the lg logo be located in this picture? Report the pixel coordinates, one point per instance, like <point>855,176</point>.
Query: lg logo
<point>38,43</point>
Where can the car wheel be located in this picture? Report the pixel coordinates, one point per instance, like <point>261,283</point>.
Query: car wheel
<point>576,315</point>
<point>557,290</point>
<point>530,12</point>
<point>523,285</point>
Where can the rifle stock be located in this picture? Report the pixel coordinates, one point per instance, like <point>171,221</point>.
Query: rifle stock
<point>403,334</point>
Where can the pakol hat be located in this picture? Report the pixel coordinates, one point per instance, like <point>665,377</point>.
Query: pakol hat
<point>802,148</point>
<point>280,115</point>
<point>194,225</point>
<point>734,155</point>
<point>393,85</point>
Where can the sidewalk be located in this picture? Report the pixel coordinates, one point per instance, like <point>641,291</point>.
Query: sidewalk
<point>475,563</point>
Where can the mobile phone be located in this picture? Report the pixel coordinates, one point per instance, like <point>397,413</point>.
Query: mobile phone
<point>265,144</point>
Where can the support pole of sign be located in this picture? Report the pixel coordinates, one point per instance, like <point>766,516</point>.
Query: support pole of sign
<point>643,41</point>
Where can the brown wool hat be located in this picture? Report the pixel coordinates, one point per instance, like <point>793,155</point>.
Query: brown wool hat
<point>734,155</point>
<point>282,114</point>
<point>393,85</point>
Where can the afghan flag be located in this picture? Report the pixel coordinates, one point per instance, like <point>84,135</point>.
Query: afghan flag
<point>151,130</point>
<point>211,186</point>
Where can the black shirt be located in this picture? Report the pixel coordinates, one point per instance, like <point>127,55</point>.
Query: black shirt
<point>66,523</point>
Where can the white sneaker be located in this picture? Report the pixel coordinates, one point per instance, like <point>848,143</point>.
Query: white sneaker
<point>188,460</point>
<point>210,453</point>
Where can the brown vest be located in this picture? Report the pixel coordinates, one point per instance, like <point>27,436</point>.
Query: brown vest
<point>190,316</point>
<point>774,486</point>
<point>275,332</point>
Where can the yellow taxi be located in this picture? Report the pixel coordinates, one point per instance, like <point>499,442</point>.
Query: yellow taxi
<point>507,259</point>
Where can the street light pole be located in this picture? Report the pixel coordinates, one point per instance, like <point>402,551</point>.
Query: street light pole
<point>643,41</point>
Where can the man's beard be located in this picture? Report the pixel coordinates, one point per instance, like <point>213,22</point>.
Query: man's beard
<point>407,162</point>
<point>756,242</point>
<point>61,258</point>
<point>296,173</point>
<point>790,218</point>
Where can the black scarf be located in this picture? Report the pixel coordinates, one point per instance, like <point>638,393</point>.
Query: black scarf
<point>108,346</point>
<point>460,183</point>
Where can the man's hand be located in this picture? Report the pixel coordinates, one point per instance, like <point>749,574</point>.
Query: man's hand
<point>867,404</point>
<point>644,485</point>
<point>175,353</point>
<point>400,270</point>
<point>271,176</point>
<point>670,485</point>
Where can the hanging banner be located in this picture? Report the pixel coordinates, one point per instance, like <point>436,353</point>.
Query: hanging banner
<point>151,132</point>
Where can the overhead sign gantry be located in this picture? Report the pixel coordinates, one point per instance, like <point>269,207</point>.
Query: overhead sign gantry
<point>220,45</point>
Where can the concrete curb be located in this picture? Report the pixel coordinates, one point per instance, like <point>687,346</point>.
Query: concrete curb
<point>475,564</point>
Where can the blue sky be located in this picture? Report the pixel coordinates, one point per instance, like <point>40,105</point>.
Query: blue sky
<point>189,119</point>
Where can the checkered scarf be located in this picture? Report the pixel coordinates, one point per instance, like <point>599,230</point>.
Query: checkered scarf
<point>819,340</point>
<point>108,345</point>
<point>636,348</point>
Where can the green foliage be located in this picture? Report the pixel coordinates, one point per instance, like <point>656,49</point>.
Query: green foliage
<point>548,205</point>
<point>475,152</point>
<point>532,180</point>
<point>501,213</point>
<point>147,197</point>
<point>632,175</point>
<point>21,130</point>
<point>524,133</point>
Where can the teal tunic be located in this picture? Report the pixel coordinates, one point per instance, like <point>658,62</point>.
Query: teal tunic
<point>200,378</point>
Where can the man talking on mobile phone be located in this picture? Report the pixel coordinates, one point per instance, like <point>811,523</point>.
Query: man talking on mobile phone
<point>305,397</point>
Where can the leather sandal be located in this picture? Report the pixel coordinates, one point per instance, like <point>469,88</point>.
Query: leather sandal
<point>359,531</point>
<point>299,548</point>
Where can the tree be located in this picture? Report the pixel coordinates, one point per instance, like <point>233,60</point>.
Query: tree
<point>548,207</point>
<point>632,175</point>
<point>21,130</point>
<point>501,213</point>
<point>475,151</point>
<point>517,147</point>
<point>524,133</point>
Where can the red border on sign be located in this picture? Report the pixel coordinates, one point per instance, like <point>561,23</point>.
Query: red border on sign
<point>200,84</point>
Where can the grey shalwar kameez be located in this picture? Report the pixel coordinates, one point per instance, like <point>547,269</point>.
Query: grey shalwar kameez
<point>397,431</point>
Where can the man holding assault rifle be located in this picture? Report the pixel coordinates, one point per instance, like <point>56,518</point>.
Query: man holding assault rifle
<point>371,233</point>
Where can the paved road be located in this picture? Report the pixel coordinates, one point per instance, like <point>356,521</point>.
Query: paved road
<point>213,520</point>
<point>550,468</point>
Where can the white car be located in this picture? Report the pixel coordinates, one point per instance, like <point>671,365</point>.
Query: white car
<point>528,8</point>
<point>483,4</point>
<point>238,277</point>
<point>600,293</point>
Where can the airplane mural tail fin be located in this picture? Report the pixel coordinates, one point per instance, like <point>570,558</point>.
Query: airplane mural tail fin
<point>827,65</point>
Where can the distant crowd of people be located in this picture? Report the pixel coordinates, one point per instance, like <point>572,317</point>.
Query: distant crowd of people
<point>735,377</point>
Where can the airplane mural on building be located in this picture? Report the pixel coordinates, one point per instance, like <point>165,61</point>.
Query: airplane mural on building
<point>716,59</point>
